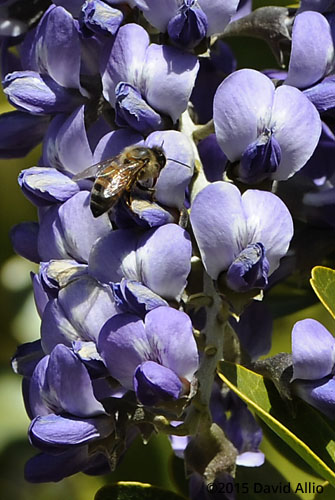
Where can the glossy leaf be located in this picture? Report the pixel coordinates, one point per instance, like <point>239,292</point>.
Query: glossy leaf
<point>323,283</point>
<point>308,433</point>
<point>135,491</point>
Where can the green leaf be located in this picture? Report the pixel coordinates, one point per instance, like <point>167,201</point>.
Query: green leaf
<point>309,434</point>
<point>326,492</point>
<point>323,284</point>
<point>135,491</point>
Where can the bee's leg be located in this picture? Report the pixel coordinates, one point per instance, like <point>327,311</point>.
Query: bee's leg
<point>183,218</point>
<point>127,198</point>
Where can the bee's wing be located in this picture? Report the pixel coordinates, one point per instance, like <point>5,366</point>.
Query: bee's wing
<point>93,170</point>
<point>120,178</point>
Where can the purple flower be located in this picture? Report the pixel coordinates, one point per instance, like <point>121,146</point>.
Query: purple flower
<point>313,357</point>
<point>312,53</point>
<point>160,259</point>
<point>237,233</point>
<point>69,230</point>
<point>77,313</point>
<point>66,416</point>
<point>188,21</point>
<point>156,357</point>
<point>162,76</point>
<point>271,132</point>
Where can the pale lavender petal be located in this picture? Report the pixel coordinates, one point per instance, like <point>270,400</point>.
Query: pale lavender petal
<point>312,50</point>
<point>123,345</point>
<point>69,381</point>
<point>51,243</point>
<point>174,178</point>
<point>114,142</point>
<point>167,79</point>
<point>219,13</point>
<point>113,257</point>
<point>242,109</point>
<point>56,328</point>
<point>57,51</point>
<point>123,59</point>
<point>157,14</point>
<point>250,459</point>
<point>170,335</point>
<point>71,143</point>
<point>164,260</point>
<point>313,350</point>
<point>219,226</point>
<point>296,125</point>
<point>88,305</point>
<point>268,222</point>
<point>81,230</point>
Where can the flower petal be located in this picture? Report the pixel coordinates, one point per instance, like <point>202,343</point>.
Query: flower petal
<point>219,226</point>
<point>69,382</point>
<point>154,383</point>
<point>123,59</point>
<point>164,260</point>
<point>312,51</point>
<point>170,336</point>
<point>242,107</point>
<point>296,125</point>
<point>313,350</point>
<point>168,78</point>
<point>269,222</point>
<point>123,345</point>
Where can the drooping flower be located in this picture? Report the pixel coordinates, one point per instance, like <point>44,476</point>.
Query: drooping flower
<point>313,359</point>
<point>237,234</point>
<point>188,21</point>
<point>270,132</point>
<point>156,358</point>
<point>144,81</point>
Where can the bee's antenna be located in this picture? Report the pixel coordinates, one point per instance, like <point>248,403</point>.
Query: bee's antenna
<point>180,162</point>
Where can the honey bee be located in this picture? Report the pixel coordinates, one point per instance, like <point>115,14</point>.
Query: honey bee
<point>133,172</point>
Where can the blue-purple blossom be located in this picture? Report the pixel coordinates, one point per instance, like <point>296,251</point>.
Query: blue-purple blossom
<point>157,358</point>
<point>271,132</point>
<point>160,259</point>
<point>162,75</point>
<point>244,235</point>
<point>188,21</point>
<point>66,416</point>
<point>313,358</point>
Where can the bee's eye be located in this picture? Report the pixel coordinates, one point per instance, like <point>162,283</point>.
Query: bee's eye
<point>161,158</point>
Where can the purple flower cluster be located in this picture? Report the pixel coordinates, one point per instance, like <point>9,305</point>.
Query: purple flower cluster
<point>126,297</point>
